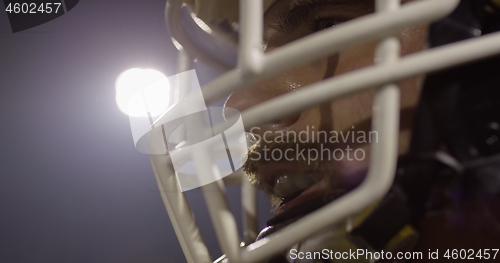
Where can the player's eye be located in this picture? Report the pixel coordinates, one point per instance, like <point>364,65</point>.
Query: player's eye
<point>286,24</point>
<point>322,23</point>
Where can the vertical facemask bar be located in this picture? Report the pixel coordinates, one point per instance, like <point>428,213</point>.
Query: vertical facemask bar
<point>179,212</point>
<point>251,32</point>
<point>249,63</point>
<point>176,204</point>
<point>249,210</point>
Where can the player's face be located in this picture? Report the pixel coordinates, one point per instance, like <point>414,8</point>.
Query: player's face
<point>345,122</point>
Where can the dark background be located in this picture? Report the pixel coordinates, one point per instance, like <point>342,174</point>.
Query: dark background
<point>72,186</point>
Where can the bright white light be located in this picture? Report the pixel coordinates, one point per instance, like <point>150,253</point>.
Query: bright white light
<point>139,91</point>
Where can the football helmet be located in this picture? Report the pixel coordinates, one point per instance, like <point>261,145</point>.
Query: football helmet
<point>457,112</point>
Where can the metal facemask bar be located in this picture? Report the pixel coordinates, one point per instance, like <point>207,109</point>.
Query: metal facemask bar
<point>255,66</point>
